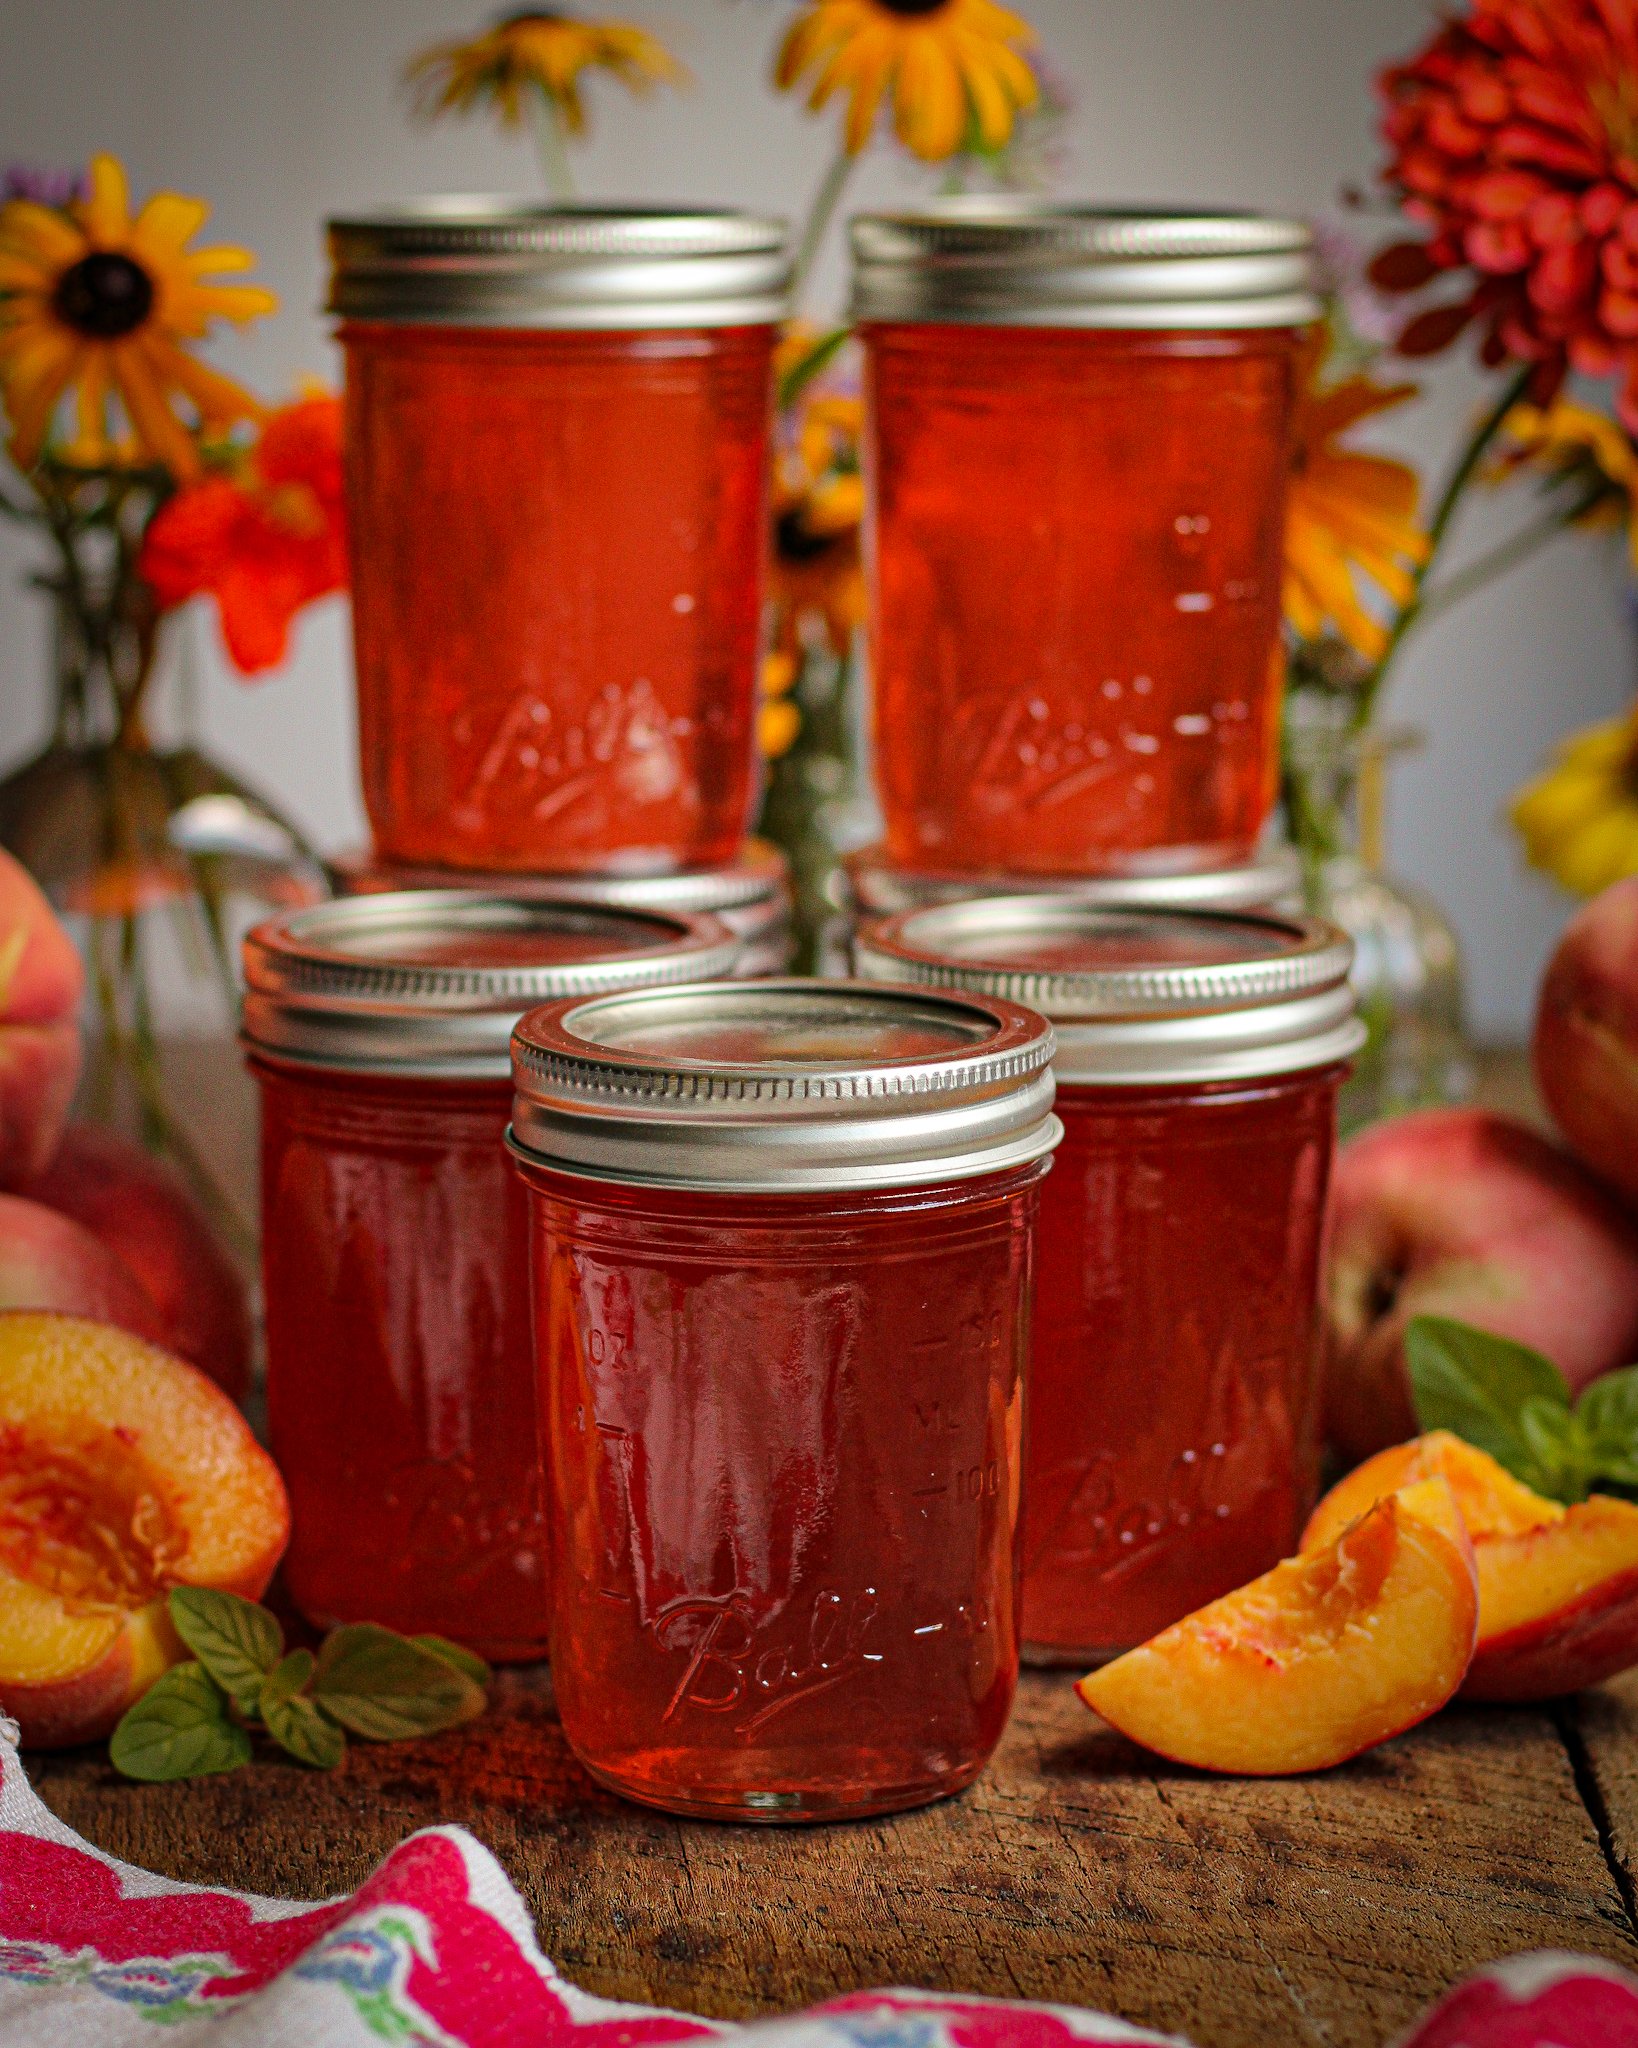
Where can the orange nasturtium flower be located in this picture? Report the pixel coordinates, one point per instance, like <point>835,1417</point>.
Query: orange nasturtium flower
<point>1348,514</point>
<point>951,68</point>
<point>101,305</point>
<point>263,540</point>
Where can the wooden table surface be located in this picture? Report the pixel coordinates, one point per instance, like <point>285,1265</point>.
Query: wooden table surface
<point>1323,1910</point>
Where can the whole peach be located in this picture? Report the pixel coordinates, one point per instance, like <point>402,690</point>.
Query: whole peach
<point>41,981</point>
<point>144,1212</point>
<point>49,1261</point>
<point>1464,1213</point>
<point>1586,1038</point>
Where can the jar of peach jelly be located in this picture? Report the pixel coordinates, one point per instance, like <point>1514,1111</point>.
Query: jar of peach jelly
<point>556,454</point>
<point>750,894</point>
<point>1079,433</point>
<point>781,1237</point>
<point>1172,1426</point>
<point>400,1381</point>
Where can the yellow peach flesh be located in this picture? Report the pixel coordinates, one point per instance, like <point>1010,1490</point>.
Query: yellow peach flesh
<point>1325,1655</point>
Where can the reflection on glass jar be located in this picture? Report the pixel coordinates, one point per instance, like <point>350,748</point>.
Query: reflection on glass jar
<point>1079,434</point>
<point>1172,1448</point>
<point>557,445</point>
<point>400,1380</point>
<point>784,1411</point>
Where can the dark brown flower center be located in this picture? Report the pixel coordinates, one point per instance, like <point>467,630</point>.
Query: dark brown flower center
<point>104,295</point>
<point>913,6</point>
<point>796,540</point>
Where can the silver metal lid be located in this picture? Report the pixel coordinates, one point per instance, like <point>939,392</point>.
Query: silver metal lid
<point>783,1086</point>
<point>874,886</point>
<point>996,260</point>
<point>1138,997</point>
<point>487,261</point>
<point>432,981</point>
<point>751,895</point>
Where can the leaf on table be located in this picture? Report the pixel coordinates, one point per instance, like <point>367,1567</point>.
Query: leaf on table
<point>236,1641</point>
<point>295,1722</point>
<point>457,1654</point>
<point>1477,1386</point>
<point>383,1686</point>
<point>179,1729</point>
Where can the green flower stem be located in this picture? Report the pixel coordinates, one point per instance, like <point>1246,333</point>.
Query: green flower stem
<point>552,145</point>
<point>1508,554</point>
<point>1455,489</point>
<point>820,215</point>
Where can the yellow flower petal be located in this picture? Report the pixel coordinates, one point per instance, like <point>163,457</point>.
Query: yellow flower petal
<point>106,212</point>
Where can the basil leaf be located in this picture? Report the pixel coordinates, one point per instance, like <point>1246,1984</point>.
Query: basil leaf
<point>383,1686</point>
<point>1608,1412</point>
<point>1477,1385</point>
<point>296,1723</point>
<point>457,1654</point>
<point>237,1642</point>
<point>1559,1445</point>
<point>178,1729</point>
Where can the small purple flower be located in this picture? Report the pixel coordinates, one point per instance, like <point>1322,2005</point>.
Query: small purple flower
<point>42,184</point>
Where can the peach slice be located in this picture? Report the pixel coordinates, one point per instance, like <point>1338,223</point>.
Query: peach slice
<point>1558,1587</point>
<point>123,1472</point>
<point>1326,1655</point>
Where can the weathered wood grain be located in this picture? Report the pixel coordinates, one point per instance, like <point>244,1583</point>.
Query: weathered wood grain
<point>1324,1910</point>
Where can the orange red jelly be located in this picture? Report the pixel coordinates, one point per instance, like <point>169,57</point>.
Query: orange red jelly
<point>556,570</point>
<point>1173,1399</point>
<point>785,1442</point>
<point>401,1400</point>
<point>1075,623</point>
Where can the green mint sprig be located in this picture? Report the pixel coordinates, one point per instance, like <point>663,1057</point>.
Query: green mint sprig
<point>365,1680</point>
<point>1514,1403</point>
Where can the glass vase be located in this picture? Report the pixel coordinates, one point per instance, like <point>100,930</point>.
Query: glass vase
<point>1408,974</point>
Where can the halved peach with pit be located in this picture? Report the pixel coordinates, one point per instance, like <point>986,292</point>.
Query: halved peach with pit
<point>1324,1656</point>
<point>1558,1586</point>
<point>123,1472</point>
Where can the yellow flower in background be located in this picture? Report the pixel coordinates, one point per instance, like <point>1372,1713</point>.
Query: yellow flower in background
<point>777,720</point>
<point>543,52</point>
<point>1575,446</point>
<point>1348,514</point>
<point>98,304</point>
<point>1579,819</point>
<point>951,67</point>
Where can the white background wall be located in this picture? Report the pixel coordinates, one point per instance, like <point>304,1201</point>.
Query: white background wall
<point>280,111</point>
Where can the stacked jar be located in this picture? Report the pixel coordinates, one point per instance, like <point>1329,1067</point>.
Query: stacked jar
<point>557,427</point>
<point>1079,429</point>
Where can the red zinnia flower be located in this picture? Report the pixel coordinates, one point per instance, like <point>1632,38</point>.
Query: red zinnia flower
<point>264,541</point>
<point>1514,136</point>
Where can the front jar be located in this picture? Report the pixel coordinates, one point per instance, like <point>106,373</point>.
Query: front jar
<point>400,1383</point>
<point>781,1244</point>
<point>556,447</point>
<point>1172,1445</point>
<point>1079,434</point>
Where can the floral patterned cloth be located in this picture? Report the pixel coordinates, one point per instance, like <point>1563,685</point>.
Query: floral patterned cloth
<point>436,1950</point>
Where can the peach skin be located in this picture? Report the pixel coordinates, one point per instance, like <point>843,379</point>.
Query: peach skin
<point>123,1472</point>
<point>1328,1654</point>
<point>41,981</point>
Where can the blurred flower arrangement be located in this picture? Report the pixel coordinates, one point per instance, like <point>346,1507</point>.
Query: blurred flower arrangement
<point>152,478</point>
<point>955,83</point>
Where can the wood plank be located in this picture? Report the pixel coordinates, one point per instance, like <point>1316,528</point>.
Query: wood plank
<point>1325,1910</point>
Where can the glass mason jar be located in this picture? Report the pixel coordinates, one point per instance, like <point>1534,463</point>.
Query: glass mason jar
<point>782,1238</point>
<point>750,894</point>
<point>1078,437</point>
<point>1172,1442</point>
<point>557,451</point>
<point>400,1379</point>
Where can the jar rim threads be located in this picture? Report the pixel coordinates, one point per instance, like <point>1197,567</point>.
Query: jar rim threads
<point>783,1086</point>
<point>1138,996</point>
